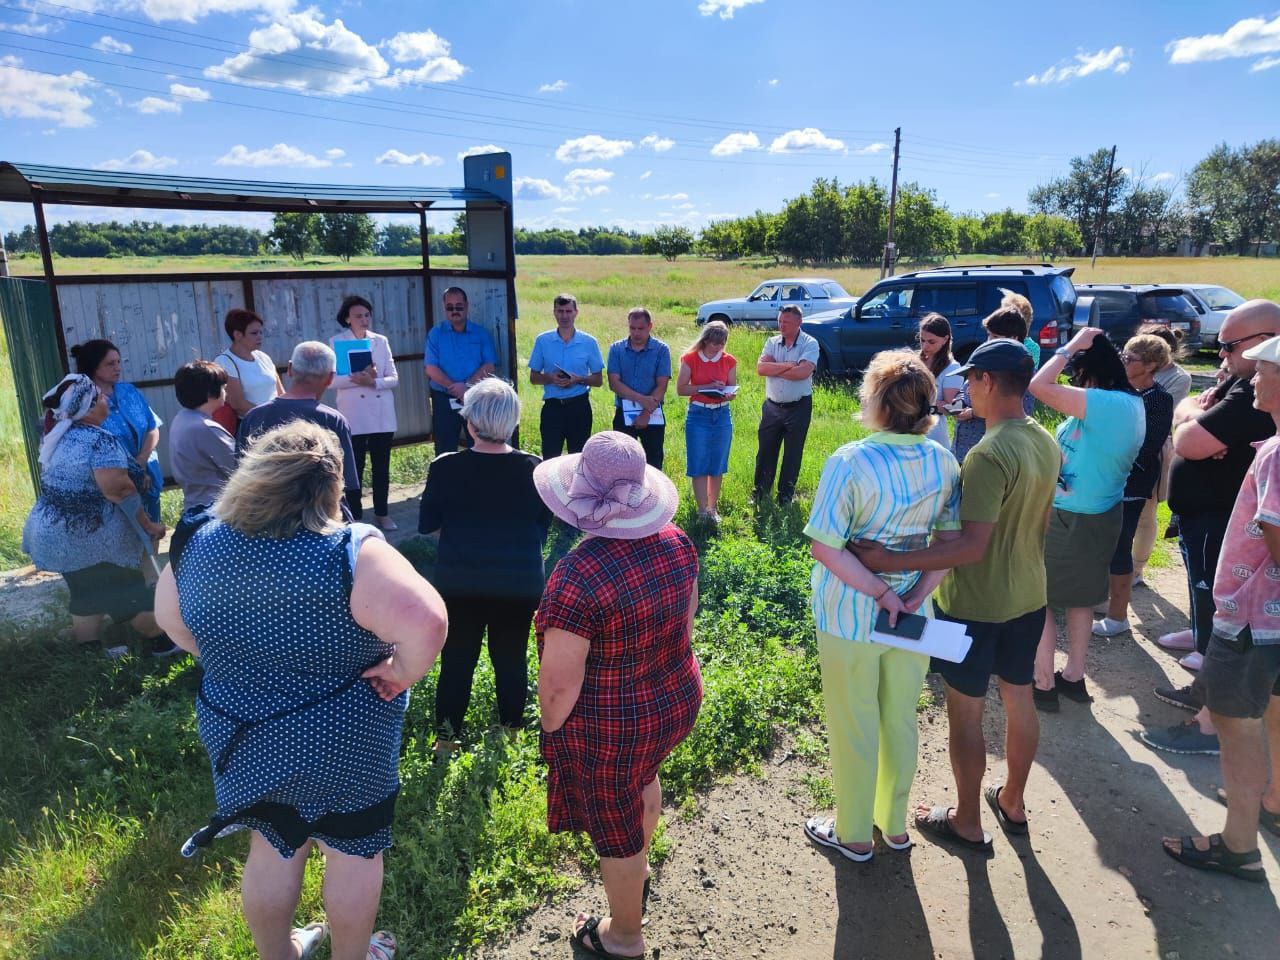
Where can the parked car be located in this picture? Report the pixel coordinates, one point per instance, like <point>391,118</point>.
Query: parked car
<point>760,307</point>
<point>888,315</point>
<point>1124,307</point>
<point>1213,303</point>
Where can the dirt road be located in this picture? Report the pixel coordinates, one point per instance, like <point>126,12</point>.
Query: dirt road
<point>742,881</point>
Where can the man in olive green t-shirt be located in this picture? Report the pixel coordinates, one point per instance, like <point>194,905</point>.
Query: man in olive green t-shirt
<point>996,588</point>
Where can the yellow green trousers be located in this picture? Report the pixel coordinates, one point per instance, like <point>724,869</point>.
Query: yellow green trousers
<point>871,693</point>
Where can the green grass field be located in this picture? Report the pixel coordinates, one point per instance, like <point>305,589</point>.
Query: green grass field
<point>102,776</point>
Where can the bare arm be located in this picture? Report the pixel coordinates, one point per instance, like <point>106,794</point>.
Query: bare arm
<point>684,388</point>
<point>854,575</point>
<point>169,613</point>
<point>390,599</point>
<point>798,370</point>
<point>560,675</point>
<point>115,485</point>
<point>149,444</point>
<point>235,397</point>
<point>480,372</point>
<point>1191,441</point>
<point>950,548</point>
<point>1062,397</point>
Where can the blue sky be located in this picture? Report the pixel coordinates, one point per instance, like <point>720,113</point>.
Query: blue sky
<point>633,113</point>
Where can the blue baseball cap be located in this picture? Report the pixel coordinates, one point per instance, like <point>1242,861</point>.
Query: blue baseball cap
<point>995,355</point>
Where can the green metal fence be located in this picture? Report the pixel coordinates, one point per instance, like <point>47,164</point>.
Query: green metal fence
<point>27,313</point>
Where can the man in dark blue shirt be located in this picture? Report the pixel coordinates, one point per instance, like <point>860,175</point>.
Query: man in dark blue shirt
<point>639,371</point>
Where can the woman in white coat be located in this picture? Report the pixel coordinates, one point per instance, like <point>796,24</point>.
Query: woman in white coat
<point>366,399</point>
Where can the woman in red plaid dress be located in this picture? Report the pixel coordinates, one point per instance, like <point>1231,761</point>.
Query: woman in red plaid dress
<point>619,685</point>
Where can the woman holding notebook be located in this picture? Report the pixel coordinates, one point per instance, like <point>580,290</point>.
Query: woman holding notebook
<point>366,399</point>
<point>709,378</point>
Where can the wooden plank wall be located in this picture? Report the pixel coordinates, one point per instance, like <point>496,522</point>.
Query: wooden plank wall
<point>161,324</point>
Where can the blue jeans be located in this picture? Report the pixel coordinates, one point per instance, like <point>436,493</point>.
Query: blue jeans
<point>1200,537</point>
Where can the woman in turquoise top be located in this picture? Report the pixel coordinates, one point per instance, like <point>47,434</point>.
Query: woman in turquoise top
<point>1100,438</point>
<point>897,488</point>
<point>131,420</point>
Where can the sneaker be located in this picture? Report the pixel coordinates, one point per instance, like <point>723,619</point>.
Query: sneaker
<point>1045,700</point>
<point>1071,689</point>
<point>1182,738</point>
<point>1193,661</point>
<point>162,646</point>
<point>1181,641</point>
<point>1180,697</point>
<point>1106,627</point>
<point>1139,580</point>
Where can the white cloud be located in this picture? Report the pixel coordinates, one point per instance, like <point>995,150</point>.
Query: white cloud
<point>189,11</point>
<point>430,50</point>
<point>1244,38</point>
<point>588,175</point>
<point>726,8</point>
<point>180,91</point>
<point>1266,63</point>
<point>473,151</point>
<point>151,105</point>
<point>302,52</point>
<point>37,96</point>
<point>334,153</point>
<point>1163,177</point>
<point>399,158</point>
<point>138,160</point>
<point>646,175</point>
<point>993,196</point>
<point>657,144</point>
<point>108,44</point>
<point>534,188</point>
<point>280,155</point>
<point>29,28</point>
<point>773,82</point>
<point>1115,60</point>
<point>672,196</point>
<point>558,87</point>
<point>592,147</point>
<point>872,148</point>
<point>799,141</point>
<point>735,143</point>
<point>564,209</point>
<point>685,206</point>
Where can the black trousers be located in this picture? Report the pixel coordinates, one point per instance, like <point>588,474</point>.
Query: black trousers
<point>565,423</point>
<point>653,439</point>
<point>507,620</point>
<point>447,427</point>
<point>1200,537</point>
<point>783,426</point>
<point>378,447</point>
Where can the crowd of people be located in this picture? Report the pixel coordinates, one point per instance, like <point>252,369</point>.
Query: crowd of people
<point>311,629</point>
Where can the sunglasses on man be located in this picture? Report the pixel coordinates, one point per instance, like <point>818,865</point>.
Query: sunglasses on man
<point>1229,346</point>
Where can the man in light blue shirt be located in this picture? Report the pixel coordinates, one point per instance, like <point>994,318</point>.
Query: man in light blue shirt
<point>458,353</point>
<point>566,363</point>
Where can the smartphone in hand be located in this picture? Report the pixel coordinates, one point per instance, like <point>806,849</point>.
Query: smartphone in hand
<point>910,626</point>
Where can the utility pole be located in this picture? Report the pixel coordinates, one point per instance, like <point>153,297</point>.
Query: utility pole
<point>886,262</point>
<point>1102,211</point>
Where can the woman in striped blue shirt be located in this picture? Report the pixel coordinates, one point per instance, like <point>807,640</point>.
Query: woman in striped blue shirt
<point>897,488</point>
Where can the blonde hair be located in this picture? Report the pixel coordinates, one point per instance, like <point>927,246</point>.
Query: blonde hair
<point>715,330</point>
<point>1017,302</point>
<point>1150,349</point>
<point>898,393</point>
<point>290,478</point>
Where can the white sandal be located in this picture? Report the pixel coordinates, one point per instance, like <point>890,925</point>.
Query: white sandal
<point>309,938</point>
<point>382,945</point>
<point>822,831</point>
<point>888,842</point>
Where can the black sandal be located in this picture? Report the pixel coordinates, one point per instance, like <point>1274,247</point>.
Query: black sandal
<point>1016,827</point>
<point>938,825</point>
<point>589,931</point>
<point>1218,858</point>
<point>1269,821</point>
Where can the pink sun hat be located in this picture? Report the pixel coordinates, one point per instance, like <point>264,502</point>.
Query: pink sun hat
<point>608,490</point>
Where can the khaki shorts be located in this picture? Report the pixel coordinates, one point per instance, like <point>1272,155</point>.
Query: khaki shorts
<point>1077,556</point>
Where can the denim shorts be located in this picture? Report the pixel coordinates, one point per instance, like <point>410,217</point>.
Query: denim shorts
<point>708,434</point>
<point>1239,677</point>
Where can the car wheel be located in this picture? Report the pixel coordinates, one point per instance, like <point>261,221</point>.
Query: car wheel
<point>723,318</point>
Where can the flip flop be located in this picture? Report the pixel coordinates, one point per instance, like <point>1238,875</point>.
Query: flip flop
<point>1015,827</point>
<point>309,938</point>
<point>1218,858</point>
<point>823,832</point>
<point>938,825</point>
<point>1268,820</point>
<point>589,931</point>
<point>382,945</point>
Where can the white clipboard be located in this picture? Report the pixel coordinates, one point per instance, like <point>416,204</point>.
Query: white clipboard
<point>631,410</point>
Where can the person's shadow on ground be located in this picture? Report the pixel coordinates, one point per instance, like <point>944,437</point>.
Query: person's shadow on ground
<point>878,910</point>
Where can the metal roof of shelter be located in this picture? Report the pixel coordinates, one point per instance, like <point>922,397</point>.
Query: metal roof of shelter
<point>39,183</point>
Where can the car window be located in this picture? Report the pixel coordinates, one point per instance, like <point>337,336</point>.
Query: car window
<point>889,302</point>
<point>765,291</point>
<point>1166,305</point>
<point>1220,298</point>
<point>794,292</point>
<point>996,289</point>
<point>950,300</point>
<point>1064,290</point>
<point>1112,306</point>
<point>834,290</point>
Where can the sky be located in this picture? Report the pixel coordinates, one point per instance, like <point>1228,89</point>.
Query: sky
<point>632,114</point>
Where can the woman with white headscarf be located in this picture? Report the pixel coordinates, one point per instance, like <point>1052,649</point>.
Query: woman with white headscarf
<point>87,522</point>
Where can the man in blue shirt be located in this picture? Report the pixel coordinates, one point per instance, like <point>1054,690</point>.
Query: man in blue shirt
<point>639,371</point>
<point>458,353</point>
<point>566,363</point>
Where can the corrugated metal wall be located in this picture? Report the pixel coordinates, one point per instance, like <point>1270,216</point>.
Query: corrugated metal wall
<point>26,310</point>
<point>160,324</point>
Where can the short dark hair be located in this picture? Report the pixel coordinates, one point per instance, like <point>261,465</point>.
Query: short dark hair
<point>563,299</point>
<point>238,320</point>
<point>792,308</point>
<point>1100,366</point>
<point>90,354</point>
<point>345,310</point>
<point>1010,383</point>
<point>457,291</point>
<point>639,312</point>
<point>198,382</point>
<point>1007,322</point>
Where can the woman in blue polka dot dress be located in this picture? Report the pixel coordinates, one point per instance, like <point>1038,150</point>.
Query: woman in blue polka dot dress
<point>310,634</point>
